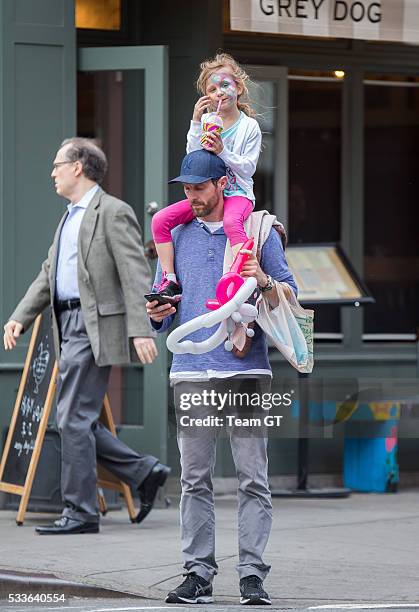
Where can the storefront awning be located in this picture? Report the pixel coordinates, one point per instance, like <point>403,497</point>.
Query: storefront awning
<point>392,20</point>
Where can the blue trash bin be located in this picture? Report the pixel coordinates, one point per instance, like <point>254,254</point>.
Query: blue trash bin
<point>370,463</point>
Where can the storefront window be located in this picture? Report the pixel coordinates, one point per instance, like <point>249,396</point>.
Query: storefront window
<point>391,216</point>
<point>315,142</point>
<point>98,14</point>
<point>315,123</point>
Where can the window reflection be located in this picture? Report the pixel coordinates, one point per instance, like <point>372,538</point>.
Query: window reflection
<point>263,95</point>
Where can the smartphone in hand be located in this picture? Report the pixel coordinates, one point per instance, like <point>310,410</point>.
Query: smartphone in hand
<point>161,299</point>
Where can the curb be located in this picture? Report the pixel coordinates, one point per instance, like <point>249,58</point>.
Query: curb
<point>21,582</point>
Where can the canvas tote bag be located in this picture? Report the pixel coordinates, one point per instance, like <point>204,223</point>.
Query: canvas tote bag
<point>290,328</point>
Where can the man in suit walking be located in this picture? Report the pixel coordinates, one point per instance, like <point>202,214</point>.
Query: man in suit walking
<point>94,278</point>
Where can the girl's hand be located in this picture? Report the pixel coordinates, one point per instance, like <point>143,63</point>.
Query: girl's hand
<point>213,142</point>
<point>200,108</point>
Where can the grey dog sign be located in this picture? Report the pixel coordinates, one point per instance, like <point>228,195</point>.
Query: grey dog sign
<point>364,19</point>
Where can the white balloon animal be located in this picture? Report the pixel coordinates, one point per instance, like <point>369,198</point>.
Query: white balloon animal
<point>235,311</point>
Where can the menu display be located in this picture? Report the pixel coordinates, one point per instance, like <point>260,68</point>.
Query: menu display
<point>324,275</point>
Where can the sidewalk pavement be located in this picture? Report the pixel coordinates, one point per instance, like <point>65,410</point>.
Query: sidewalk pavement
<point>331,551</point>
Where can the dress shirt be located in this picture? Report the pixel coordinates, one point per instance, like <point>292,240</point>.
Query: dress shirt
<point>67,286</point>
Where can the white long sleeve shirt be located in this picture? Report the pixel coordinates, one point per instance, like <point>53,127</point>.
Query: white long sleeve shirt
<point>240,154</point>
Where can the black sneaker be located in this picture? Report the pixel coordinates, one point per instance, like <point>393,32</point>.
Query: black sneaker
<point>252,592</point>
<point>169,290</point>
<point>193,590</point>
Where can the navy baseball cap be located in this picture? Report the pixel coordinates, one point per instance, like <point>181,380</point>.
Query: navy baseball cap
<point>200,166</point>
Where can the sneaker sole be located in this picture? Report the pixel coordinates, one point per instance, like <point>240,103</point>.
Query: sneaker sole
<point>58,533</point>
<point>257,601</point>
<point>200,599</point>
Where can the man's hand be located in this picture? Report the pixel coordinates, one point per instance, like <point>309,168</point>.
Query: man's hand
<point>213,142</point>
<point>12,330</point>
<point>158,313</point>
<point>252,268</point>
<point>200,107</point>
<point>146,349</point>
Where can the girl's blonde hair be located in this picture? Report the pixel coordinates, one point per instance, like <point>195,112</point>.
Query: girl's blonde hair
<point>224,60</point>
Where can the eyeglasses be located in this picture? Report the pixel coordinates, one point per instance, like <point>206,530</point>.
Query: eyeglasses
<point>55,166</point>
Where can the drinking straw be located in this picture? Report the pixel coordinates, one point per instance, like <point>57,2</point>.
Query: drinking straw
<point>218,107</point>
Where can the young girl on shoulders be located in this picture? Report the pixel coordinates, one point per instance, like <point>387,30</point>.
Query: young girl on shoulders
<point>222,83</point>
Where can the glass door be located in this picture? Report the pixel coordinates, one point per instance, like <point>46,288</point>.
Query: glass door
<point>122,102</point>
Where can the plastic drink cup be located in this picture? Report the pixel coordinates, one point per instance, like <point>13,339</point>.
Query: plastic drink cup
<point>212,123</point>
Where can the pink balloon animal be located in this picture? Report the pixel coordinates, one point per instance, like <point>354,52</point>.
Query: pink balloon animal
<point>230,282</point>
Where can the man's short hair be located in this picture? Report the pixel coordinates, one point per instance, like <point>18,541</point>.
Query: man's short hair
<point>91,156</point>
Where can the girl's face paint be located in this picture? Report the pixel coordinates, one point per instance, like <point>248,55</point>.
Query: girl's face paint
<point>222,85</point>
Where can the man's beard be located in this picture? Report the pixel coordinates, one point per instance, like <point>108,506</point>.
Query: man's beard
<point>203,209</point>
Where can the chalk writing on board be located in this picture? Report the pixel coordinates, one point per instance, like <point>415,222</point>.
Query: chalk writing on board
<point>25,448</point>
<point>40,366</point>
<point>31,414</point>
<point>30,408</point>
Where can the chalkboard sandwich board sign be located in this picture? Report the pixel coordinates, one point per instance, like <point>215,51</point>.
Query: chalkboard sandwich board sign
<point>30,415</point>
<point>30,419</point>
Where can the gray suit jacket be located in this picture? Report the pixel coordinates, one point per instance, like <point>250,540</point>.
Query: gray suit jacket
<point>113,275</point>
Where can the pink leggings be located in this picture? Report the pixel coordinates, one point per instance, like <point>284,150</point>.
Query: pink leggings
<point>236,211</point>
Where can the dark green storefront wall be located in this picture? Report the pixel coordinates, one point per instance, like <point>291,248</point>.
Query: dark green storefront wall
<point>38,110</point>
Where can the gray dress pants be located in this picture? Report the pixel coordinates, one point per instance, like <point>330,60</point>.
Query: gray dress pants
<point>81,388</point>
<point>197,447</point>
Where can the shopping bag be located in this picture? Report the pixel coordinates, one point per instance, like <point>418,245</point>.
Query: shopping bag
<point>290,328</point>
